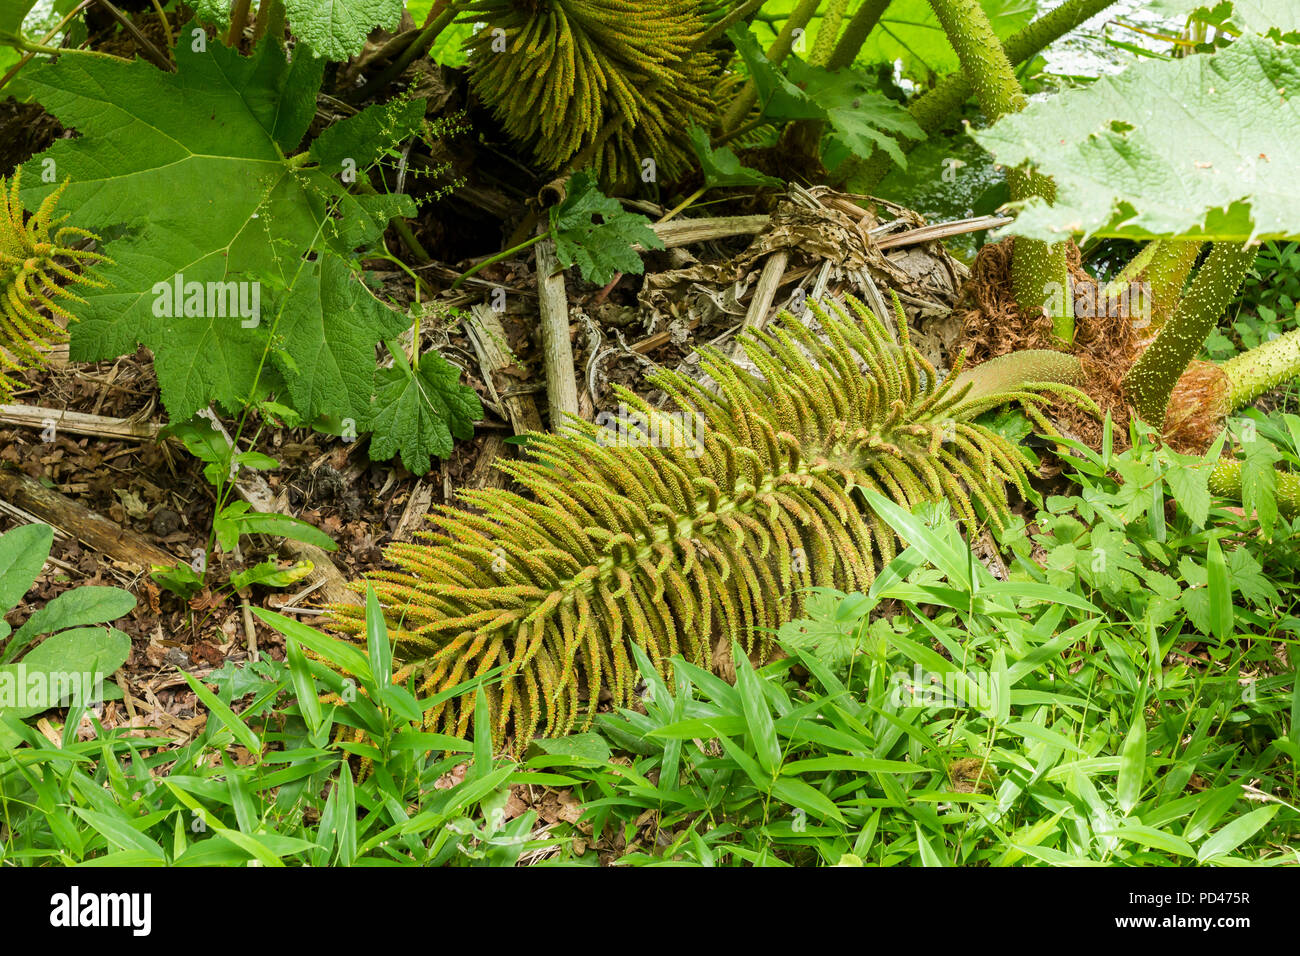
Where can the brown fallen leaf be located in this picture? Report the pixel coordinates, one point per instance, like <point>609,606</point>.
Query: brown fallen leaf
<point>207,653</point>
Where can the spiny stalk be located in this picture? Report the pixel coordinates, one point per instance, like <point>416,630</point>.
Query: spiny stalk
<point>1152,378</point>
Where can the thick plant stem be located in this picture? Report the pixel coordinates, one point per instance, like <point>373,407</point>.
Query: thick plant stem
<point>1020,370</point>
<point>1262,369</point>
<point>827,32</point>
<point>1166,275</point>
<point>1039,276</point>
<point>1151,380</point>
<point>983,60</point>
<point>933,109</point>
<point>1225,481</point>
<point>238,20</point>
<point>1153,281</point>
<point>855,34</point>
<point>1133,269</point>
<point>443,12</point>
<point>270,20</point>
<point>1041,267</point>
<point>746,9</point>
<point>804,137</point>
<point>776,53</point>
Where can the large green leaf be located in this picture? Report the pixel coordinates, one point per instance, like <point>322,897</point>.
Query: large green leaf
<point>858,118</point>
<point>1256,16</point>
<point>57,664</point>
<point>186,174</point>
<point>333,29</point>
<point>909,33</point>
<point>722,167</point>
<point>778,97</point>
<point>599,248</point>
<point>22,555</point>
<point>328,333</point>
<point>337,29</point>
<point>417,411</point>
<point>831,628</point>
<point>12,14</point>
<point>1201,146</point>
<point>91,604</point>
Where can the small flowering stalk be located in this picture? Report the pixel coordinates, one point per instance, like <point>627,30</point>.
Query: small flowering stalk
<point>37,260</point>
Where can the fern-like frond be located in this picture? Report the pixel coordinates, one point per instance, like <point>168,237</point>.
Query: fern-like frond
<point>689,528</point>
<point>561,68</point>
<point>37,254</point>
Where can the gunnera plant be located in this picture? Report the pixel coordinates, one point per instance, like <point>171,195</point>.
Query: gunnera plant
<point>711,532</point>
<point>37,259</point>
<point>555,71</point>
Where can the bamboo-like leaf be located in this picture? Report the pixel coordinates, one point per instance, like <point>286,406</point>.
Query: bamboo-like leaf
<point>1236,833</point>
<point>1220,591</point>
<point>227,716</point>
<point>758,716</point>
<point>1132,764</point>
<point>303,685</point>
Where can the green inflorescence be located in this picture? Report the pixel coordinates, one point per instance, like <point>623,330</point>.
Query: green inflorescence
<point>37,259</point>
<point>684,546</point>
<point>556,71</point>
